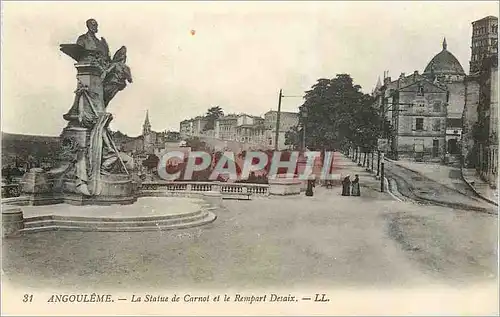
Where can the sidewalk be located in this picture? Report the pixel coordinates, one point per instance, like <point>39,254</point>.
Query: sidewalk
<point>480,187</point>
<point>345,166</point>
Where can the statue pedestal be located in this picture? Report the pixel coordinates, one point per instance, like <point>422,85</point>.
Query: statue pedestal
<point>116,189</point>
<point>38,185</point>
<point>42,189</point>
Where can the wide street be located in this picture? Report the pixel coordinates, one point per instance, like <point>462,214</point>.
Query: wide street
<point>327,240</point>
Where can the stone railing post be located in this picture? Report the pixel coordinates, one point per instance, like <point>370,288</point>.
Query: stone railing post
<point>216,187</point>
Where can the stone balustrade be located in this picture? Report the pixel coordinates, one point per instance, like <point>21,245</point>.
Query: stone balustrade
<point>201,187</point>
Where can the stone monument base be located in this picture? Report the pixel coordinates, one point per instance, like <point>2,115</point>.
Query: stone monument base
<point>43,189</point>
<point>116,189</point>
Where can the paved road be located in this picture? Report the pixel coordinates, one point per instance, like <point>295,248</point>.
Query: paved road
<point>423,189</point>
<point>326,240</point>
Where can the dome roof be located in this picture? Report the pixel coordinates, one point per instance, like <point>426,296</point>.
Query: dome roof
<point>444,63</point>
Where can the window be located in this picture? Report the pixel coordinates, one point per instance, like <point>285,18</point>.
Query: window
<point>420,91</point>
<point>419,124</point>
<point>437,106</point>
<point>436,125</point>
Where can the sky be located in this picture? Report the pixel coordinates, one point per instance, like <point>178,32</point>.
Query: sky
<point>240,55</point>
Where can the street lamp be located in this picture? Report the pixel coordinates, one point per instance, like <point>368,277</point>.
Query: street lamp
<point>278,115</point>
<point>304,117</point>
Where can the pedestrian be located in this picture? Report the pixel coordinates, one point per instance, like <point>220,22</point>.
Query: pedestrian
<point>346,186</point>
<point>310,185</point>
<point>355,186</point>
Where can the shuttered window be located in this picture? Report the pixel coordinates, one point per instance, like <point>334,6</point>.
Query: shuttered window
<point>419,124</point>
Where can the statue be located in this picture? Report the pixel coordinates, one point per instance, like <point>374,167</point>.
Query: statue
<point>90,42</point>
<point>99,78</point>
<point>116,76</point>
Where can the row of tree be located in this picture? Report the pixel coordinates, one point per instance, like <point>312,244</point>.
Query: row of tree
<point>339,115</point>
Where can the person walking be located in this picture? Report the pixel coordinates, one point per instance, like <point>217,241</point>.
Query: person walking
<point>346,186</point>
<point>355,186</point>
<point>310,185</point>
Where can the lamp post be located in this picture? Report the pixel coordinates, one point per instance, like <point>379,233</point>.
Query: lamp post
<point>304,117</point>
<point>278,118</point>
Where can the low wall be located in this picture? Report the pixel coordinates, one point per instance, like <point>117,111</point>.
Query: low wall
<point>285,186</point>
<point>12,221</point>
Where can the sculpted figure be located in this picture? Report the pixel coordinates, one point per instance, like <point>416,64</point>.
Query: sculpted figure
<point>98,49</point>
<point>116,76</point>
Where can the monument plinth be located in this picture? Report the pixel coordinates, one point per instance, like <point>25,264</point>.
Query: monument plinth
<point>91,170</point>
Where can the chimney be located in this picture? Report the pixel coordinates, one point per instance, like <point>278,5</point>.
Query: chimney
<point>415,74</point>
<point>402,76</point>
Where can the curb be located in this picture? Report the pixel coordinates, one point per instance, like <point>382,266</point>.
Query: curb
<point>450,188</point>
<point>474,189</point>
<point>390,189</point>
<point>442,203</point>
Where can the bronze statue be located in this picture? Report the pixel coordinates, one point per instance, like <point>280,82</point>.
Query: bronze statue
<point>116,76</point>
<point>90,42</point>
<point>100,78</point>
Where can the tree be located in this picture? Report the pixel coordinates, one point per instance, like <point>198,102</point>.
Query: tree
<point>213,114</point>
<point>151,162</point>
<point>339,115</point>
<point>293,137</point>
<point>197,145</point>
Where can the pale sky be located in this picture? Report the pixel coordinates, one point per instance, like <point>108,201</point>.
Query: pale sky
<point>240,56</point>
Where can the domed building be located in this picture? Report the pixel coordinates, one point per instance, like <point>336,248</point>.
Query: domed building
<point>445,69</point>
<point>428,121</point>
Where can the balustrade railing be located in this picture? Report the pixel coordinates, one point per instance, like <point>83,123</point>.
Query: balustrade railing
<point>233,188</point>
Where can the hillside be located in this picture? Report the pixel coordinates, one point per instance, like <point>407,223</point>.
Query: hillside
<point>23,146</point>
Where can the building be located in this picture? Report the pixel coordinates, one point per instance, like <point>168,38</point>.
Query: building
<point>484,41</point>
<point>250,129</point>
<point>242,130</point>
<point>149,142</point>
<point>417,109</point>
<point>486,136</point>
<point>193,127</point>
<point>469,120</point>
<point>288,121</point>
<point>480,115</point>
<point>445,69</point>
<point>225,127</point>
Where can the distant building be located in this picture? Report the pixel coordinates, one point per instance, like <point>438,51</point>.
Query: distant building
<point>225,127</point>
<point>242,131</point>
<point>288,120</point>
<point>193,127</point>
<point>250,129</point>
<point>149,142</point>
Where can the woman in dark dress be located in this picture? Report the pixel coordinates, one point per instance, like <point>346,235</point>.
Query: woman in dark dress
<point>355,186</point>
<point>310,185</point>
<point>346,186</point>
